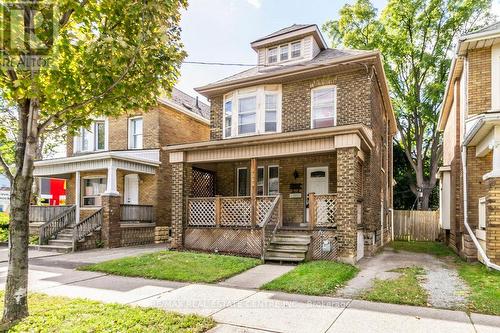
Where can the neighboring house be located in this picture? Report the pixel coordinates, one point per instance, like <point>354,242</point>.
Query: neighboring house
<point>4,199</point>
<point>300,157</point>
<point>470,121</point>
<point>118,161</point>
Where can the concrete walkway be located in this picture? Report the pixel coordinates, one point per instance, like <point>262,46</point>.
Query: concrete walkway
<point>257,276</point>
<point>243,309</point>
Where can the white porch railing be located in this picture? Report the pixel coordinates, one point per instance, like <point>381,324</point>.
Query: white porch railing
<point>227,211</point>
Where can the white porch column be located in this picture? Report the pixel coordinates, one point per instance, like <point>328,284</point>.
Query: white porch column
<point>78,196</point>
<point>111,188</point>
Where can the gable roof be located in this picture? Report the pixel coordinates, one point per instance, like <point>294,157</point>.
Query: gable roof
<point>190,103</point>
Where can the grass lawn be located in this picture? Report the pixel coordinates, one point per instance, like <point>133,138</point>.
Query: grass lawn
<point>314,278</point>
<point>60,314</point>
<point>484,287</point>
<point>435,248</point>
<point>177,266</point>
<point>402,290</point>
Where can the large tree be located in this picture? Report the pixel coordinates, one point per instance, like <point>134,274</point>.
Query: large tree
<point>416,38</point>
<point>64,63</point>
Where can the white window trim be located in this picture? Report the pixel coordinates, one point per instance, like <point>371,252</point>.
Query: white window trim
<point>278,50</point>
<point>260,92</point>
<point>238,181</point>
<point>482,215</point>
<point>82,186</point>
<point>129,135</point>
<point>334,104</point>
<point>269,178</point>
<point>77,139</point>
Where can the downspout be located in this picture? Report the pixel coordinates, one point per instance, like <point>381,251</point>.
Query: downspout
<point>486,260</point>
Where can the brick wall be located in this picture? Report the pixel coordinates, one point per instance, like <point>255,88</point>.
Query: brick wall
<point>493,224</point>
<point>353,102</point>
<point>479,81</point>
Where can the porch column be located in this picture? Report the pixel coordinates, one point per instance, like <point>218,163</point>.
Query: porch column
<point>111,188</point>
<point>348,191</point>
<point>253,191</point>
<point>77,196</point>
<point>111,231</point>
<point>178,201</point>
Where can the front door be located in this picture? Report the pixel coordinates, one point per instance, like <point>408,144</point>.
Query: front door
<point>317,182</point>
<point>131,189</point>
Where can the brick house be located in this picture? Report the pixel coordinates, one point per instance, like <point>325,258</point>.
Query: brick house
<point>299,162</point>
<point>118,162</point>
<point>470,121</point>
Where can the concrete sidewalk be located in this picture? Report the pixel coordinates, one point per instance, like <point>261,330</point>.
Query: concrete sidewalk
<point>251,310</point>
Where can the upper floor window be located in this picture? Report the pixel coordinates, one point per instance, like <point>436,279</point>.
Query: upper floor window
<point>296,50</point>
<point>323,107</point>
<point>284,52</point>
<point>135,133</point>
<point>252,111</point>
<point>272,55</point>
<point>92,138</point>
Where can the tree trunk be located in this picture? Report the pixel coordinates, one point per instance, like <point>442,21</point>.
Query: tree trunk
<point>16,302</point>
<point>16,287</point>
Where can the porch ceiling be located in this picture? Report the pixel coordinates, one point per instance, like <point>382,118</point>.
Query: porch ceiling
<point>97,161</point>
<point>275,145</point>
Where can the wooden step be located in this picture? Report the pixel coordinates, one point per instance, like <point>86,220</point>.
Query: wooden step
<point>286,254</point>
<point>291,241</point>
<point>287,248</point>
<point>284,259</point>
<point>65,236</point>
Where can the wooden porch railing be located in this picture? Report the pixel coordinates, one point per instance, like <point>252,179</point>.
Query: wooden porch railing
<point>45,213</point>
<point>271,222</point>
<point>87,226</point>
<point>322,210</point>
<point>227,211</point>
<point>137,213</point>
<point>56,224</point>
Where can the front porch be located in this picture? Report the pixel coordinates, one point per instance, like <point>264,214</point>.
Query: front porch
<point>305,198</point>
<point>107,192</point>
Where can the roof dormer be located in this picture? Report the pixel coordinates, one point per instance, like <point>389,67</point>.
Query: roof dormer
<point>298,42</point>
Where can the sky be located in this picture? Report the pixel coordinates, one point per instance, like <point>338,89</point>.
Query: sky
<point>221,31</point>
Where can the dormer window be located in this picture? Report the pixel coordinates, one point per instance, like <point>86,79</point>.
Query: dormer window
<point>272,55</point>
<point>284,52</point>
<point>296,50</point>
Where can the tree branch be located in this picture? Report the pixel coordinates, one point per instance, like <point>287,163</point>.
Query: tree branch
<point>6,169</point>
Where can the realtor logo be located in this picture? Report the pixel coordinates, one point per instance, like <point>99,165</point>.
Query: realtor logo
<point>27,31</point>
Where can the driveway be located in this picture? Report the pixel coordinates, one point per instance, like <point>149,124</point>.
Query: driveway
<point>442,282</point>
<point>241,309</point>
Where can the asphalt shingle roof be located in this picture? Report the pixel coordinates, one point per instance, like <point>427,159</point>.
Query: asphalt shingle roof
<point>324,56</point>
<point>191,103</point>
<point>291,28</point>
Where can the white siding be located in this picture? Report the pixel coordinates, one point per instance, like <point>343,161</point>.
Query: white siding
<point>261,55</point>
<point>495,77</point>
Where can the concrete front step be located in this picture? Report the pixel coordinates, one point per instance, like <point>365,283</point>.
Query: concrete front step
<point>65,236</point>
<point>55,248</point>
<point>61,242</point>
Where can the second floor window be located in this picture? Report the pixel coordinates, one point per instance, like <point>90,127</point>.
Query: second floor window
<point>296,50</point>
<point>135,133</point>
<point>272,55</point>
<point>323,107</point>
<point>252,111</point>
<point>92,138</point>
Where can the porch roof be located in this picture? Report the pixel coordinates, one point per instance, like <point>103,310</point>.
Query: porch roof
<point>274,145</point>
<point>142,161</point>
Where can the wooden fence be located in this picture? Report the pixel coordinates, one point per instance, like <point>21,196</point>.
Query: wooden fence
<point>416,225</point>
